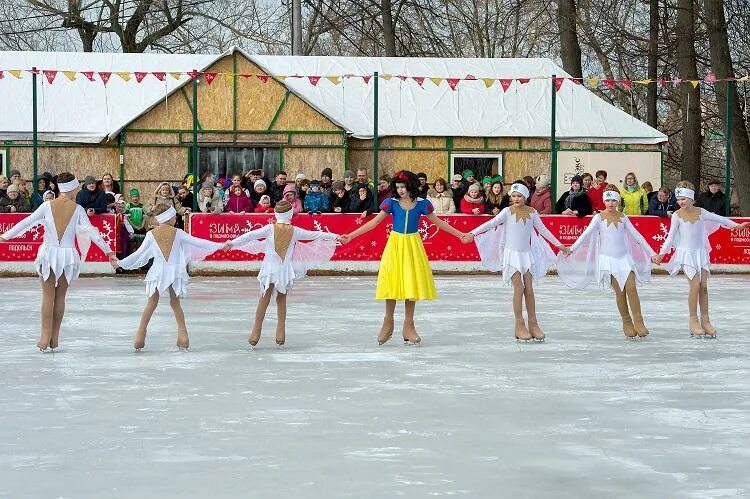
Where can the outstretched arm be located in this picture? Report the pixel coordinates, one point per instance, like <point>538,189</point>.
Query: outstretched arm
<point>638,237</point>
<point>498,219</point>
<point>249,236</point>
<point>545,233</point>
<point>674,223</point>
<point>365,228</point>
<point>84,223</point>
<point>723,221</point>
<point>33,219</point>
<point>586,234</point>
<point>312,235</point>
<point>139,257</point>
<point>443,225</point>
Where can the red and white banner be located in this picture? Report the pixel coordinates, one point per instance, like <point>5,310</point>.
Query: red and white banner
<point>25,247</point>
<point>729,247</point>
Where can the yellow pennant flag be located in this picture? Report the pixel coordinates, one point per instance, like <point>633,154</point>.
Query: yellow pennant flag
<point>593,82</point>
<point>176,76</point>
<point>695,83</point>
<point>281,78</point>
<point>436,81</point>
<point>334,79</point>
<point>643,82</point>
<point>71,75</point>
<point>488,82</point>
<point>228,79</point>
<point>386,76</point>
<point>16,73</point>
<point>124,75</point>
<point>744,78</point>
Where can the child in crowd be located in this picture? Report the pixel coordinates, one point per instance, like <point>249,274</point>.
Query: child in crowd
<point>238,201</point>
<point>404,272</point>
<point>326,184</point>
<point>689,229</point>
<point>611,252</point>
<point>134,210</point>
<point>290,196</point>
<point>473,202</point>
<point>127,232</point>
<point>339,200</point>
<point>303,186</point>
<point>209,199</point>
<point>285,259</point>
<point>315,200</point>
<point>58,262</point>
<point>517,249</point>
<point>171,250</point>
<point>264,205</point>
<point>48,196</point>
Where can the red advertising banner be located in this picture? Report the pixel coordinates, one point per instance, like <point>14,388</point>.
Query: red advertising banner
<point>25,247</point>
<point>729,247</point>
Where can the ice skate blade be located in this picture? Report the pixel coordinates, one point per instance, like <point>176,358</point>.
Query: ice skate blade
<point>183,349</point>
<point>698,336</point>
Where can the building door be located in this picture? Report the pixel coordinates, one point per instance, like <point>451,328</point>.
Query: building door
<point>483,165</point>
<point>226,161</point>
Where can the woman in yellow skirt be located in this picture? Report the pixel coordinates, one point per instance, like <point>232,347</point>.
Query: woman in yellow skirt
<point>404,272</point>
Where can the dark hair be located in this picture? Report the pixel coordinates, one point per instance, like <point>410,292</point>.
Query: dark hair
<point>65,177</point>
<point>587,174</point>
<point>281,172</point>
<point>601,173</point>
<point>407,178</point>
<point>613,187</point>
<point>529,181</point>
<point>422,175</point>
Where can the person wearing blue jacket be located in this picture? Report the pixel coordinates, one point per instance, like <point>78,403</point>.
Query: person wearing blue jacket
<point>663,204</point>
<point>316,201</point>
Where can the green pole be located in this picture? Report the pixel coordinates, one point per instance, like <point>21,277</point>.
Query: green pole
<point>553,142</point>
<point>375,143</point>
<point>728,140</point>
<point>35,130</point>
<point>122,161</point>
<point>194,151</point>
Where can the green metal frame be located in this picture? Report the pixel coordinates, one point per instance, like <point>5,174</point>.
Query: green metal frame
<point>35,127</point>
<point>278,110</point>
<point>121,159</point>
<point>553,141</point>
<point>375,139</point>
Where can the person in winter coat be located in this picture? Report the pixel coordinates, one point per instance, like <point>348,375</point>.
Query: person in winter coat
<point>164,195</point>
<point>441,198</point>
<point>315,200</point>
<point>541,200</point>
<point>264,205</point>
<point>634,198</point>
<point>259,189</point>
<point>278,188</point>
<point>424,187</point>
<point>713,199</point>
<point>339,200</point>
<point>361,200</point>
<point>93,200</point>
<point>574,202</point>
<point>14,202</point>
<point>596,193</point>
<point>326,185</point>
<point>238,201</point>
<point>290,195</point>
<point>209,201</point>
<point>459,189</point>
<point>42,186</point>
<point>496,199</point>
<point>4,183</point>
<point>473,201</point>
<point>384,189</point>
<point>663,204</point>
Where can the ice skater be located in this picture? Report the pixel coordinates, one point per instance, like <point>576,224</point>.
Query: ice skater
<point>58,262</point>
<point>689,229</point>
<point>516,248</point>
<point>404,272</point>
<point>285,259</point>
<point>171,250</point>
<point>611,252</point>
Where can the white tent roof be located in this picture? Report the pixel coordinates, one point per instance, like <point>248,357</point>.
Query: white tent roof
<point>82,111</point>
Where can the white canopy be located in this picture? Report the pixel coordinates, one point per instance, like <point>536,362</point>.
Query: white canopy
<point>82,111</point>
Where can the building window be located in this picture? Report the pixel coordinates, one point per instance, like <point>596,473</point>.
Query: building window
<point>226,161</point>
<point>483,165</point>
<point>3,167</point>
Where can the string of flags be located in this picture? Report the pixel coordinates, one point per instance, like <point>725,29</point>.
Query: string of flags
<point>51,75</point>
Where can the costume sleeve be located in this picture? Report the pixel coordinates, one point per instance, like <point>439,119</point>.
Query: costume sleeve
<point>35,218</point>
<point>312,235</point>
<point>139,257</point>
<point>427,207</point>
<point>250,236</point>
<point>498,219</point>
<point>387,205</point>
<point>674,223</point>
<point>586,234</point>
<point>86,232</point>
<point>543,230</point>
<point>196,249</point>
<point>723,221</point>
<point>638,237</point>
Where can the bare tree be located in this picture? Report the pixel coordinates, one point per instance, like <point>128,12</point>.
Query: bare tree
<point>570,49</point>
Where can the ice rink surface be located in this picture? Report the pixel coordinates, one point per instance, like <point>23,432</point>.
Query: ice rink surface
<point>470,413</point>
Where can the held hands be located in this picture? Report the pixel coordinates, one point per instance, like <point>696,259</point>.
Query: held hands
<point>565,250</point>
<point>467,238</point>
<point>742,226</point>
<point>113,261</point>
<point>657,259</point>
<point>344,238</point>
<point>226,247</point>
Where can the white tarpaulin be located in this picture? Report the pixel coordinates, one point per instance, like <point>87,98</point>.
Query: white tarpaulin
<point>84,111</point>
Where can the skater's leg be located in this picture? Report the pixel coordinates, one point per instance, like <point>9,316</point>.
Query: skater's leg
<point>522,333</point>
<point>528,296</point>
<point>693,296</point>
<point>622,307</point>
<point>260,314</point>
<point>140,334</point>
<point>703,302</point>
<point>280,318</point>
<point>634,302</point>
<point>410,330</point>
<point>182,335</point>
<point>59,310</point>
<point>386,330</point>
<point>46,312</point>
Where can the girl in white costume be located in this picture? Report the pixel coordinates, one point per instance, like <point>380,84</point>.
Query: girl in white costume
<point>688,234</point>
<point>58,261</point>
<point>515,247</point>
<point>285,259</point>
<point>611,252</point>
<point>171,249</point>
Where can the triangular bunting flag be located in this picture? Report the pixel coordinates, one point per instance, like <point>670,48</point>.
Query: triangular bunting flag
<point>281,77</point>
<point>193,74</point>
<point>627,84</point>
<point>710,77</point>
<point>16,73</point>
<point>229,79</point>
<point>209,77</point>
<point>453,82</point>
<point>125,76</point>
<point>677,80</point>
<point>402,77</point>
<point>488,82</point>
<point>246,75</point>
<point>663,83</point>
<point>313,80</point>
<point>139,76</point>
<point>558,82</point>
<point>694,83</point>
<point>386,76</point>
<point>71,75</point>
<point>524,81</point>
<point>643,82</point>
<point>470,77</point>
<point>176,75</point>
<point>577,81</point>
<point>744,78</point>
<point>610,84</point>
<point>505,83</point>
<point>263,78</point>
<point>418,79</point>
<point>105,75</point>
<point>50,75</point>
<point>436,81</point>
<point>366,79</point>
<point>334,79</point>
<point>1,75</point>
<point>159,75</point>
<point>88,74</point>
<point>593,82</point>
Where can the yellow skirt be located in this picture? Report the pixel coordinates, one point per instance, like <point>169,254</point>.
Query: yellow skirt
<point>405,272</point>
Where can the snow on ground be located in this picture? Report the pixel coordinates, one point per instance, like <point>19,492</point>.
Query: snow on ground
<point>470,413</point>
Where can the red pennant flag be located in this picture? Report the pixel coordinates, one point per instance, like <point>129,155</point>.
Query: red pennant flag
<point>104,75</point>
<point>139,76</point>
<point>558,82</point>
<point>314,80</point>
<point>470,77</point>
<point>710,77</point>
<point>505,83</point>
<point>418,79</point>
<point>366,79</point>
<point>209,77</point>
<point>610,84</point>
<point>402,77</point>
<point>577,81</point>
<point>523,81</point>
<point>160,75</point>
<point>1,75</point>
<point>34,71</point>
<point>88,74</point>
<point>263,78</point>
<point>627,84</point>
<point>453,82</point>
<point>193,74</point>
<point>663,83</point>
<point>50,75</point>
